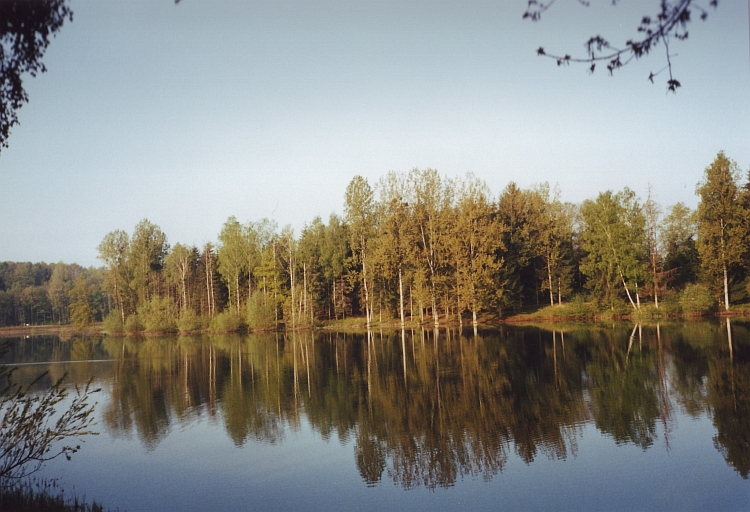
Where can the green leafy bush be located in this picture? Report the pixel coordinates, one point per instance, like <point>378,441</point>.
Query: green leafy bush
<point>227,321</point>
<point>579,306</point>
<point>133,324</point>
<point>189,322</point>
<point>159,315</point>
<point>696,299</point>
<point>113,323</point>
<point>260,312</point>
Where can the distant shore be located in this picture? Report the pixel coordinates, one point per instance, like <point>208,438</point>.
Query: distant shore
<point>547,315</point>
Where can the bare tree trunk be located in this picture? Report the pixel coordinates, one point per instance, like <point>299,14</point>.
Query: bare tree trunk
<point>401,304</point>
<point>726,289</point>
<point>434,308</point>
<point>549,278</point>
<point>304,273</point>
<point>637,296</point>
<point>458,310</point>
<point>367,292</point>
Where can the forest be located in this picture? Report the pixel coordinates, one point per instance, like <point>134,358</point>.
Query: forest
<point>413,247</point>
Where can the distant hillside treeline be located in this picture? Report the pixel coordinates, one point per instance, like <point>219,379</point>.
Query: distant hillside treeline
<point>423,246</point>
<point>39,293</point>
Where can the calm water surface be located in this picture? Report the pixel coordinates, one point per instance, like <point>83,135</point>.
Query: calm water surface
<point>598,417</point>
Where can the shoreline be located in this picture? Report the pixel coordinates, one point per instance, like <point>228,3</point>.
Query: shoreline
<point>358,324</point>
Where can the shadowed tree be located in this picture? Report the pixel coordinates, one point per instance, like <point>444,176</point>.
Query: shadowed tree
<point>681,259</point>
<point>25,31</point>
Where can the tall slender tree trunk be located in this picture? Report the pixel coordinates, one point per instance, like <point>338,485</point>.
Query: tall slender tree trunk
<point>304,277</point>
<point>726,288</point>
<point>549,278</point>
<point>458,310</point>
<point>367,292</point>
<point>434,308</point>
<point>335,316</point>
<point>724,268</point>
<point>401,301</point>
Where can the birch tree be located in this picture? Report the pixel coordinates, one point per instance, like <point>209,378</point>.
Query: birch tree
<point>113,250</point>
<point>148,248</point>
<point>232,258</point>
<point>359,212</point>
<point>614,239</point>
<point>180,263</point>
<point>430,199</point>
<point>395,239</point>
<point>477,241</point>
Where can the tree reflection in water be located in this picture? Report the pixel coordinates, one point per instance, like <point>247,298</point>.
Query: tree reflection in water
<point>430,408</point>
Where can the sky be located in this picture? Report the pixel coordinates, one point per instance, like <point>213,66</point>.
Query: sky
<point>187,114</point>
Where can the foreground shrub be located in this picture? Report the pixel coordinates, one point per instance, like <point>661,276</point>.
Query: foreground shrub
<point>189,322</point>
<point>260,312</point>
<point>159,315</point>
<point>227,321</point>
<point>113,323</point>
<point>695,299</point>
<point>579,306</point>
<point>133,324</point>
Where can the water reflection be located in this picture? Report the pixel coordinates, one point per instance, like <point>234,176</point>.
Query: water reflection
<point>426,408</point>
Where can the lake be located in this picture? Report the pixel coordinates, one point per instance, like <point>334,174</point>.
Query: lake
<point>584,417</point>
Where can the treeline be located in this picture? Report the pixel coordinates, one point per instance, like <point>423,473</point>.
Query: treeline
<point>419,247</point>
<point>40,293</point>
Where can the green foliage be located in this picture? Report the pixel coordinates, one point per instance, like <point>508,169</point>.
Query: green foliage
<point>159,315</point>
<point>81,311</point>
<point>260,312</point>
<point>722,234</point>
<point>681,258</point>
<point>232,258</point>
<point>189,322</point>
<point>147,251</point>
<point>227,321</point>
<point>133,324</point>
<point>614,237</point>
<point>696,299</point>
<point>113,323</point>
<point>580,307</point>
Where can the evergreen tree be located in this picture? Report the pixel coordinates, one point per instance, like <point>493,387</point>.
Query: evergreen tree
<point>722,237</point>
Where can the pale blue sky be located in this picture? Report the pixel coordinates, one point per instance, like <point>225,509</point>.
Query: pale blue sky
<point>188,114</point>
